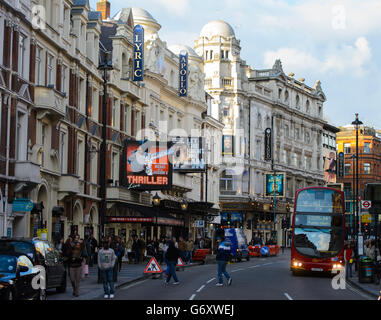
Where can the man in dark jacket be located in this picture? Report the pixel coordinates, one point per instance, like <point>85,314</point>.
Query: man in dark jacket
<point>222,257</point>
<point>172,255</point>
<point>136,249</point>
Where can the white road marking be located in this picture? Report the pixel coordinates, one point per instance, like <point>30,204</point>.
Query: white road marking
<point>237,270</point>
<point>192,297</point>
<point>266,264</point>
<point>135,284</point>
<point>254,266</point>
<point>202,287</point>
<point>288,296</point>
<point>211,280</point>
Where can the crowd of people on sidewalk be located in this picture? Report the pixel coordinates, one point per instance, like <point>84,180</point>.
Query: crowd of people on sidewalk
<point>350,257</point>
<point>79,254</point>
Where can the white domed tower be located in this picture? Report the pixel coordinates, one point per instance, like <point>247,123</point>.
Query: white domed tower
<point>221,50</point>
<point>225,71</point>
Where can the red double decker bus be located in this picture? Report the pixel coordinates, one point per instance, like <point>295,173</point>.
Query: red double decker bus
<point>318,230</point>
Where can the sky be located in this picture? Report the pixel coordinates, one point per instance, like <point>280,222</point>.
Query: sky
<point>334,41</point>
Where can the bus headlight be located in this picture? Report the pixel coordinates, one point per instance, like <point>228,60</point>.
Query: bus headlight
<point>297,264</point>
<point>337,266</point>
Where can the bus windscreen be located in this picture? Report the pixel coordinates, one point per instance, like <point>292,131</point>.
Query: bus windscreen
<point>319,201</point>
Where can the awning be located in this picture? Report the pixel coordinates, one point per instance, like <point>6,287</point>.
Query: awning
<point>163,218</point>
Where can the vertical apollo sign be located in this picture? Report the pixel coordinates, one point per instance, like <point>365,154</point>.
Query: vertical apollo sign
<point>138,53</point>
<point>183,74</point>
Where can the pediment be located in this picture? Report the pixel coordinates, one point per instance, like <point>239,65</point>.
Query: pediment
<point>24,92</point>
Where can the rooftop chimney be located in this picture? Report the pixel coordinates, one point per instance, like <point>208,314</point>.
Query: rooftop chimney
<point>105,8</point>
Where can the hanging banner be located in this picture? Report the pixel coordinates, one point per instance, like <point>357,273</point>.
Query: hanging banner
<point>147,165</point>
<point>277,183</point>
<point>138,53</point>
<point>183,74</point>
<point>340,168</point>
<point>228,145</point>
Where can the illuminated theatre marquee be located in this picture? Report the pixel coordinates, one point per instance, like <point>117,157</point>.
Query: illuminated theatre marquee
<point>138,53</point>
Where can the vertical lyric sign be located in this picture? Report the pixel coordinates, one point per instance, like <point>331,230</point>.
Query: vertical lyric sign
<point>183,74</point>
<point>138,53</point>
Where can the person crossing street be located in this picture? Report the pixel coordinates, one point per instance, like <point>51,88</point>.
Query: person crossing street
<point>222,257</point>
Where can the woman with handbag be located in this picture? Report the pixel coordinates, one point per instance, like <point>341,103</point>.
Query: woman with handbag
<point>348,259</point>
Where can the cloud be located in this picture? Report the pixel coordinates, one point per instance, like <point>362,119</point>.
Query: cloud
<point>339,59</point>
<point>178,7</point>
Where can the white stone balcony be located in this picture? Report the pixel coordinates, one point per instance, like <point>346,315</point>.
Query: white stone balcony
<point>50,103</point>
<point>68,185</point>
<point>29,172</point>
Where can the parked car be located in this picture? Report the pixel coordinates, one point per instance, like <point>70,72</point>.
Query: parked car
<point>41,252</point>
<point>239,248</point>
<point>16,275</point>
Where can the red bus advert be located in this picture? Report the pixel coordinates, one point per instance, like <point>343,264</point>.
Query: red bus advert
<point>318,230</point>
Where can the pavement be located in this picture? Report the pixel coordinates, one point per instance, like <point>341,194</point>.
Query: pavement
<point>90,288</point>
<point>370,288</point>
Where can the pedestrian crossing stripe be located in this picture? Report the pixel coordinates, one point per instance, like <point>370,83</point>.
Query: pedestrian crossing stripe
<point>180,263</point>
<point>152,267</point>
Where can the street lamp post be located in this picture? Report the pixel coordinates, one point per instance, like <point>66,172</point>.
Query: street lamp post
<point>156,202</point>
<point>357,123</point>
<point>105,66</point>
<point>353,195</point>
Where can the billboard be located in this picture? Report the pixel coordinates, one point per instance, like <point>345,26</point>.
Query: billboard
<point>278,184</point>
<point>188,154</point>
<point>227,145</point>
<point>147,165</point>
<point>330,167</point>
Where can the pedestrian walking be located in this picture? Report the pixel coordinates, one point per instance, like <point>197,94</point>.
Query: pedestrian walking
<point>136,249</point>
<point>75,262</point>
<point>183,249</point>
<point>66,252</point>
<point>172,255</point>
<point>88,257</point>
<point>120,255</point>
<point>348,260</point>
<point>190,249</point>
<point>142,249</point>
<point>94,249</point>
<point>222,257</point>
<point>106,263</point>
<point>161,250</point>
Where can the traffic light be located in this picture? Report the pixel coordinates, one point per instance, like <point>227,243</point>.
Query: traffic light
<point>284,224</point>
<point>248,224</point>
<point>229,218</point>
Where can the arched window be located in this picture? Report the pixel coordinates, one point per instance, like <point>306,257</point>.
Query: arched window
<point>297,102</point>
<point>286,96</point>
<point>131,68</point>
<point>259,123</point>
<point>308,106</point>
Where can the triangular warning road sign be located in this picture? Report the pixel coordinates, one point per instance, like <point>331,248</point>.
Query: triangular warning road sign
<point>180,263</point>
<point>152,267</point>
